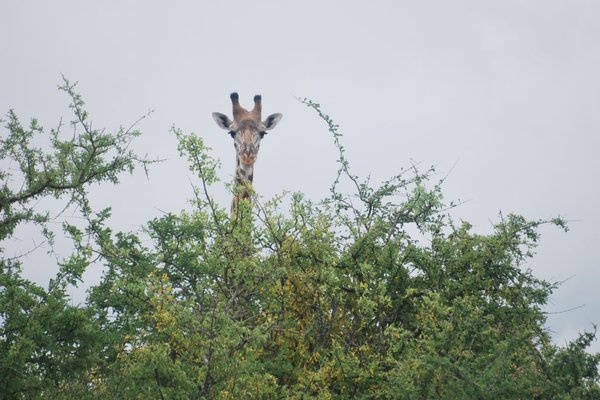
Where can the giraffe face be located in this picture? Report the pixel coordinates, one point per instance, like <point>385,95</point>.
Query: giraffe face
<point>246,140</point>
<point>246,129</point>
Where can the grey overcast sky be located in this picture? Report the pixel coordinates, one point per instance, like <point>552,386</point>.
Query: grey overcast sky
<point>502,95</point>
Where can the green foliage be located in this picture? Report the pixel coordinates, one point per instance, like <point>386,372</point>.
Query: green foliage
<point>47,345</point>
<point>88,156</point>
<point>374,294</point>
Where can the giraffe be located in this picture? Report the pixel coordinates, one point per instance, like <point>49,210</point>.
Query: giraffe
<point>247,130</point>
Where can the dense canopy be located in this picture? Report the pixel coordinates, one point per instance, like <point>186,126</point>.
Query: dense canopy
<point>372,294</point>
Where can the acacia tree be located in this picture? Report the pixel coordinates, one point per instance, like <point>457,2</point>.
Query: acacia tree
<point>45,343</point>
<point>373,294</point>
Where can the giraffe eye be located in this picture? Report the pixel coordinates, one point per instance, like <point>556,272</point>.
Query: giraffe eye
<point>232,133</point>
<point>262,134</point>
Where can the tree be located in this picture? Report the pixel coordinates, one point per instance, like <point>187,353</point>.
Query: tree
<point>47,345</point>
<point>374,294</point>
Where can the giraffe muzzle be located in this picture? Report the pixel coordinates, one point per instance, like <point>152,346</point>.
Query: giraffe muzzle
<point>248,158</point>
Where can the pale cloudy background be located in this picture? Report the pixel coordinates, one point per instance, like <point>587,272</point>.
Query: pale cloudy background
<point>502,95</point>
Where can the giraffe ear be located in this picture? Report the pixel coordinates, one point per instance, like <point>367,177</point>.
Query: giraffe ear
<point>223,121</point>
<point>272,121</point>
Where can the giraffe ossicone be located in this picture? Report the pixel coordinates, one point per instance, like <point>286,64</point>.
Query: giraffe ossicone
<point>247,130</point>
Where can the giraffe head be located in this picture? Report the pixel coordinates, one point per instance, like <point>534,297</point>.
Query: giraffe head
<point>247,128</point>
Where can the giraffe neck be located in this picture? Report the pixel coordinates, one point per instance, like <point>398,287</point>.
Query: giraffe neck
<point>244,174</point>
